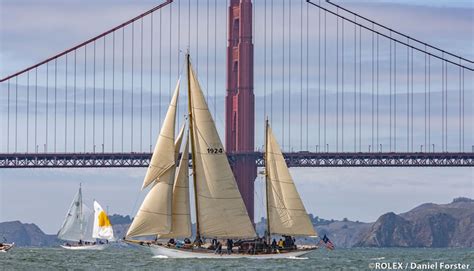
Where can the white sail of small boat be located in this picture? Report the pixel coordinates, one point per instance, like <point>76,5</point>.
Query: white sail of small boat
<point>219,207</point>
<point>102,226</point>
<point>78,226</point>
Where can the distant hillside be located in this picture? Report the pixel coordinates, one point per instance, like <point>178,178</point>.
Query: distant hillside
<point>428,225</point>
<point>26,234</point>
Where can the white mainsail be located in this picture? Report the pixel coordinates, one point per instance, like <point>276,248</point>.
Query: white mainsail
<point>286,212</point>
<point>221,210</point>
<point>154,216</point>
<point>77,224</point>
<point>181,225</point>
<point>163,156</point>
<point>102,227</point>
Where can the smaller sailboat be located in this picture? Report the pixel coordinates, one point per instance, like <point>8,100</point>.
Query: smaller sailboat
<point>82,228</point>
<point>4,247</point>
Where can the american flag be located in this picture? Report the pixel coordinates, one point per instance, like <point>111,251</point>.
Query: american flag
<point>329,244</point>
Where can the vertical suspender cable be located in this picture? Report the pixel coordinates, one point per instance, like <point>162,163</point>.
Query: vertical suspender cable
<point>151,78</point>
<point>55,98</point>
<point>16,113</point>
<point>8,116</point>
<point>103,98</point>
<point>93,97</point>
<point>47,108</point>
<point>113,91</point>
<point>141,84</point>
<point>307,75</point>
<point>408,97</point>
<point>133,66</point>
<point>395,96</point>
<point>36,109</point>
<point>360,91</point>
<point>75,92</point>
<point>123,87</point>
<point>337,82</point>
<point>65,108</point>
<point>319,78</point>
<point>85,97</point>
<point>342,86</point>
<point>27,110</point>
<point>355,88</point>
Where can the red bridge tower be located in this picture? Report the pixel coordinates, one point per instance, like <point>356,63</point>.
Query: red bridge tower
<point>240,104</point>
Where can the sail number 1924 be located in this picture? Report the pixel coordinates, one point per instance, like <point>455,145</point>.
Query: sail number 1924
<point>215,150</point>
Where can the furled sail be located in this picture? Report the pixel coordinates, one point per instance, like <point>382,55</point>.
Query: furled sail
<point>286,212</point>
<point>102,227</point>
<point>181,225</point>
<point>77,224</point>
<point>154,215</point>
<point>221,210</point>
<point>163,156</point>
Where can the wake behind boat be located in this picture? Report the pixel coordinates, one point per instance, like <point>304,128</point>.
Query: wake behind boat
<point>83,229</point>
<point>220,211</point>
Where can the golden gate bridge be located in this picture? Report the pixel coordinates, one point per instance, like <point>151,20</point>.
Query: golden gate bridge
<point>340,89</point>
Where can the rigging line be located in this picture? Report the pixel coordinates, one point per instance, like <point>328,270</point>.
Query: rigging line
<point>170,53</point>
<point>197,36</point>
<point>47,107</point>
<point>85,97</point>
<point>141,84</point>
<point>55,98</point>
<point>151,76</point>
<point>396,32</point>
<point>178,65</point>
<point>389,37</point>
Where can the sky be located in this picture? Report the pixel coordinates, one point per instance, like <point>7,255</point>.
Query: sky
<point>31,30</point>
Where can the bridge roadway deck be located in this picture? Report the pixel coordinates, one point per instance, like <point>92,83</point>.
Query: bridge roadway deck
<point>293,159</point>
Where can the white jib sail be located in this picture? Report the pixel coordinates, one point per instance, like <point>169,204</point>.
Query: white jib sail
<point>286,212</point>
<point>77,224</point>
<point>221,209</point>
<point>154,215</point>
<point>102,227</point>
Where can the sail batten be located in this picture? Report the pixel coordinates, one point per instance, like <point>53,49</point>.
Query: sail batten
<point>286,212</point>
<point>221,210</point>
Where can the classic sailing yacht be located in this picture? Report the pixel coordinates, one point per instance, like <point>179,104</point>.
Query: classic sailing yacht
<point>4,247</point>
<point>82,227</point>
<point>220,210</point>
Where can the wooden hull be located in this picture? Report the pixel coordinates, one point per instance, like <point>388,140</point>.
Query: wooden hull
<point>86,247</point>
<point>166,252</point>
<point>6,247</point>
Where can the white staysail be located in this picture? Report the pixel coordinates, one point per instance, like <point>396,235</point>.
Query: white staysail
<point>102,227</point>
<point>221,210</point>
<point>77,224</point>
<point>163,156</point>
<point>154,215</point>
<point>181,225</point>
<point>286,212</point>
